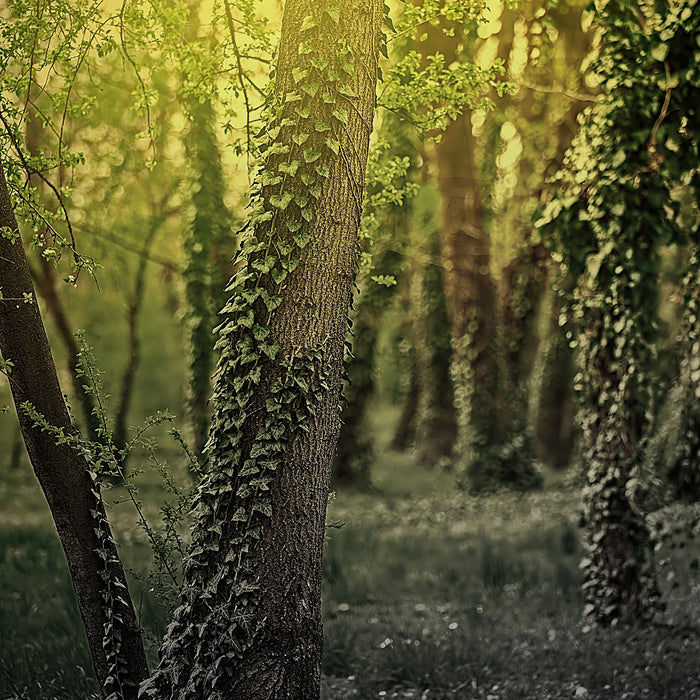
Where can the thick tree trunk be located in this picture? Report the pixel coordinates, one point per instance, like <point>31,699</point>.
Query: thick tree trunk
<point>72,495</point>
<point>249,624</point>
<point>469,292</point>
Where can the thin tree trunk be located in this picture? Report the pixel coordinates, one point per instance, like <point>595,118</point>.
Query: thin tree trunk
<point>206,267</point>
<point>134,312</point>
<point>249,624</point>
<point>73,497</point>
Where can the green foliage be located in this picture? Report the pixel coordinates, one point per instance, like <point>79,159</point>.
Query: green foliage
<point>613,211</point>
<point>424,89</point>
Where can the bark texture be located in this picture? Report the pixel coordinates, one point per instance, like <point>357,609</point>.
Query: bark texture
<point>63,474</point>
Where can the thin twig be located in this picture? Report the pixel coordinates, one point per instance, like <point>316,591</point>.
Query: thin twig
<point>232,32</point>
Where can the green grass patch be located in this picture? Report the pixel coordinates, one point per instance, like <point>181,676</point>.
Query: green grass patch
<point>428,593</point>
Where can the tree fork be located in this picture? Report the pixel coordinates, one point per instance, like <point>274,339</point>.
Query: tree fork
<point>63,474</point>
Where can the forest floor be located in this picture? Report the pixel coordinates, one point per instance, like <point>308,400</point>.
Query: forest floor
<point>428,593</point>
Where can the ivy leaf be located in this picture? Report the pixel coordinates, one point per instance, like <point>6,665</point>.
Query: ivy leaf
<point>290,265</point>
<point>300,138</point>
<point>328,97</point>
<point>311,88</point>
<point>333,11</point>
<point>289,168</point>
<point>308,179</point>
<point>270,349</point>
<point>278,149</point>
<point>264,265</point>
<point>293,226</point>
<point>299,74</point>
<point>284,248</point>
<point>301,201</point>
<point>311,155</point>
<point>308,23</point>
<point>271,301</point>
<point>279,275</point>
<point>267,178</point>
<point>302,239</point>
<point>347,91</point>
<point>281,201</point>
<point>341,115</point>
<point>323,169</point>
<point>249,467</point>
<point>321,126</point>
<point>320,64</point>
<point>315,191</point>
<point>240,515</point>
<point>260,332</point>
<point>302,383</point>
<point>263,506</point>
<point>333,144</point>
<point>303,112</point>
<point>307,214</point>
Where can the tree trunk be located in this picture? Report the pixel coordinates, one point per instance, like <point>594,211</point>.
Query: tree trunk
<point>133,353</point>
<point>436,419</point>
<point>469,292</point>
<point>249,624</point>
<point>72,495</point>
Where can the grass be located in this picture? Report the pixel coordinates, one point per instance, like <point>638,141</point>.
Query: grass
<point>428,593</point>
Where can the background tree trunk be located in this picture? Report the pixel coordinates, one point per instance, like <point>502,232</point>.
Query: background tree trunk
<point>469,292</point>
<point>73,497</point>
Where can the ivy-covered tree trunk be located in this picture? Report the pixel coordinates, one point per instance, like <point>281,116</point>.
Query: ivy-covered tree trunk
<point>248,625</point>
<point>613,213</point>
<point>73,496</point>
<point>205,273</point>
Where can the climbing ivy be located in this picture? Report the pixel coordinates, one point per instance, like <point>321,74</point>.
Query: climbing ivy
<point>612,212</point>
